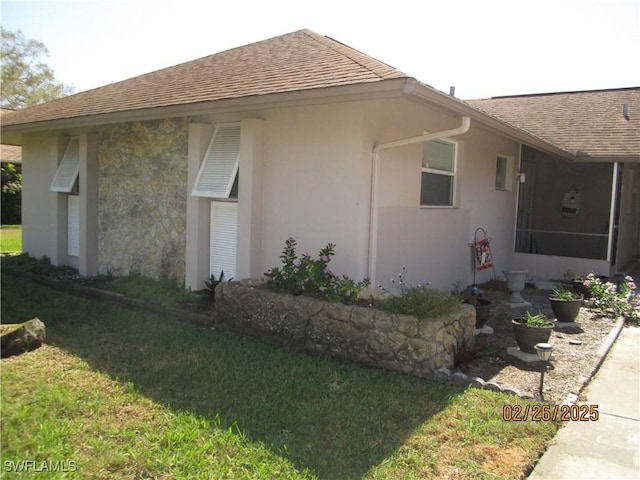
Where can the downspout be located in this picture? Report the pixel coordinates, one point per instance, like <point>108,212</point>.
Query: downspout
<point>373,212</point>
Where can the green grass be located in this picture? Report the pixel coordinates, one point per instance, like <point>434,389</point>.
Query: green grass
<point>129,395</point>
<point>11,238</point>
<point>166,291</point>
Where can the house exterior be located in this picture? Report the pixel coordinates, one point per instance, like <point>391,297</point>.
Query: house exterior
<point>211,165</point>
<point>583,214</point>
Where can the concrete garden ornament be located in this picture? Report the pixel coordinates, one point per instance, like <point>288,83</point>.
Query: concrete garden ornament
<point>515,283</point>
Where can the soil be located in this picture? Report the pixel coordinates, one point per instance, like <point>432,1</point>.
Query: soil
<point>577,351</point>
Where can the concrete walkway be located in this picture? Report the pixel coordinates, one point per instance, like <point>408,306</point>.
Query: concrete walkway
<point>608,448</point>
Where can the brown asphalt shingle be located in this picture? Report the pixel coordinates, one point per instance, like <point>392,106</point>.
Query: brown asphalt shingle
<point>300,60</point>
<point>590,123</point>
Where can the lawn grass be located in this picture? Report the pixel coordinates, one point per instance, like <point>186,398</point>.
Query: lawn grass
<point>11,238</point>
<point>129,395</point>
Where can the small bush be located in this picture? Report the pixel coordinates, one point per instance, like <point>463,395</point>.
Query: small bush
<point>619,300</point>
<point>421,302</point>
<point>25,263</point>
<point>313,277</point>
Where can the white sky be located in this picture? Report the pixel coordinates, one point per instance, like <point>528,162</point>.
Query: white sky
<point>482,47</point>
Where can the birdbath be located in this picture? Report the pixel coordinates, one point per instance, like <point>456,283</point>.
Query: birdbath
<point>515,284</point>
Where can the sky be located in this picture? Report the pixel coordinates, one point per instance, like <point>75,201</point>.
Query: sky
<point>483,48</point>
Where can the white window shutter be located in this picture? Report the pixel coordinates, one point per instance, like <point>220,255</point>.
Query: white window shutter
<point>220,165</point>
<point>68,169</point>
<point>224,235</point>
<point>73,226</point>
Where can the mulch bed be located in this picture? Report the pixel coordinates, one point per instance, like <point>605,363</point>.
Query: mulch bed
<point>576,356</point>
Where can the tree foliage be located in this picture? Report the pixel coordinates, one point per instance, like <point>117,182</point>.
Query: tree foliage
<point>10,213</point>
<point>26,79</point>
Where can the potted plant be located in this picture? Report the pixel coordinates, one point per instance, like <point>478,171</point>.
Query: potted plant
<point>482,306</point>
<point>565,304</point>
<point>531,329</point>
<point>579,286</point>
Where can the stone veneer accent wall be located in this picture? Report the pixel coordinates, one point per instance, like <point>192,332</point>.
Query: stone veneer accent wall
<point>142,198</point>
<point>401,343</point>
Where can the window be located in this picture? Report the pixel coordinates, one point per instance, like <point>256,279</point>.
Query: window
<point>438,173</point>
<point>67,174</point>
<point>73,226</point>
<point>219,168</point>
<point>502,172</point>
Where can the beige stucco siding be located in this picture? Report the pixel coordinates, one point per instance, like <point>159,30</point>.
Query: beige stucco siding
<point>39,203</point>
<point>316,179</point>
<point>434,242</point>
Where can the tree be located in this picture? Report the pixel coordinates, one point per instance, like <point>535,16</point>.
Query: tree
<point>26,79</point>
<point>10,213</point>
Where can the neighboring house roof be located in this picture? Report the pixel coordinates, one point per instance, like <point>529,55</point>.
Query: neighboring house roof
<point>587,124</point>
<point>301,60</point>
<point>9,153</point>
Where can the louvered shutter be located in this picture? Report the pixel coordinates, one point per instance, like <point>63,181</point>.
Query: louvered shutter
<point>68,169</point>
<point>73,226</point>
<point>224,235</point>
<point>220,165</point>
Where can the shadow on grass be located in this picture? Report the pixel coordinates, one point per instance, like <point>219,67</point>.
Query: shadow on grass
<point>336,419</point>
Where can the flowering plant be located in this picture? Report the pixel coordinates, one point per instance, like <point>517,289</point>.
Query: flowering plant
<point>620,299</point>
<point>309,276</point>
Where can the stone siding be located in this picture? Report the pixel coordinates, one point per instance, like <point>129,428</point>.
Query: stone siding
<point>142,198</point>
<point>368,336</point>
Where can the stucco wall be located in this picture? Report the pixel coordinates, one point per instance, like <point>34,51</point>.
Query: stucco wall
<point>39,203</point>
<point>434,242</point>
<point>316,184</point>
<point>142,198</point>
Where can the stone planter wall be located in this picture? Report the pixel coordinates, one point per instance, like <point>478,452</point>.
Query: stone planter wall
<point>368,336</point>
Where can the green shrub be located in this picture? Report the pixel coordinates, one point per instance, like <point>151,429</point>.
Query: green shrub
<point>25,263</point>
<point>421,302</point>
<point>313,277</point>
<point>620,300</point>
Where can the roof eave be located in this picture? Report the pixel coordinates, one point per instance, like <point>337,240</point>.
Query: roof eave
<point>432,95</point>
<point>382,88</point>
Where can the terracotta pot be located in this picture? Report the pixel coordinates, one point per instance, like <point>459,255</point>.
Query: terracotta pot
<point>527,336</point>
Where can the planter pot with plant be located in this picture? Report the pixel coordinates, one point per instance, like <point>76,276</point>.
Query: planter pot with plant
<point>579,286</point>
<point>531,329</point>
<point>483,309</point>
<point>565,304</point>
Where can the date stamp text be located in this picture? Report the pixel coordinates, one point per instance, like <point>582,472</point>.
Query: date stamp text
<point>550,413</point>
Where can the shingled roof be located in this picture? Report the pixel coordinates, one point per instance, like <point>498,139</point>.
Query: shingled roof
<point>586,124</point>
<point>296,61</point>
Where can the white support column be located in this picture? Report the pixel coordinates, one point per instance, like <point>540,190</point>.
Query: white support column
<point>88,181</point>
<point>249,253</point>
<point>198,211</point>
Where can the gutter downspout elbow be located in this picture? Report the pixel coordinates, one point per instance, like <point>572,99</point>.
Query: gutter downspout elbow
<point>373,209</point>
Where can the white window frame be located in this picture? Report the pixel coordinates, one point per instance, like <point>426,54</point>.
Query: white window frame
<point>219,167</point>
<point>508,161</point>
<point>434,171</point>
<point>67,173</point>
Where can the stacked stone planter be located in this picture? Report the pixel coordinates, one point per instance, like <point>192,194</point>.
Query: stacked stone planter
<point>400,343</point>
